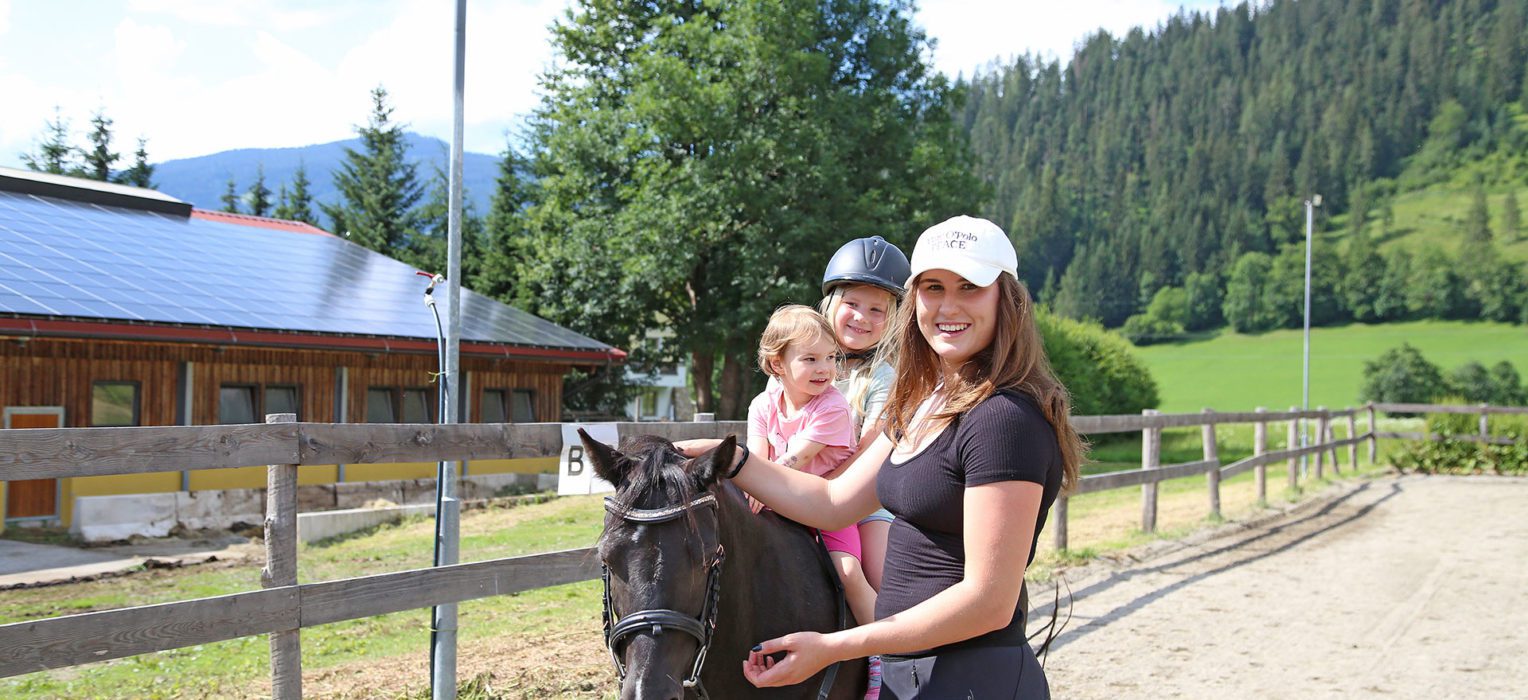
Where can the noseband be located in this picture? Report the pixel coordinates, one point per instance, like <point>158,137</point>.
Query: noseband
<point>657,620</point>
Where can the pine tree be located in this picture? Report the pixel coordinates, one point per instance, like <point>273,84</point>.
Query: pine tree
<point>142,172</point>
<point>258,196</point>
<point>297,204</point>
<point>1477,226</point>
<point>54,155</point>
<point>505,229</point>
<point>1511,218</point>
<point>378,186</point>
<point>100,157</point>
<point>230,197</point>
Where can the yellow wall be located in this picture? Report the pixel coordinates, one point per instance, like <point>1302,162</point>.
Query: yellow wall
<point>390,472</point>
<point>2,506</point>
<point>532,465</point>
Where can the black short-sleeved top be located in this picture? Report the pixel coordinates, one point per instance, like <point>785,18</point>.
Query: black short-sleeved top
<point>1005,438</point>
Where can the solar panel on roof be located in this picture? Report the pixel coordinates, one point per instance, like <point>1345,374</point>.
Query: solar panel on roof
<point>65,258</point>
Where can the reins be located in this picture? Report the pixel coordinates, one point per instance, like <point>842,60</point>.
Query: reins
<point>655,621</point>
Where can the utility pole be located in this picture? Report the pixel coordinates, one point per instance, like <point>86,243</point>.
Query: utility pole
<point>448,507</point>
<point>1310,209</point>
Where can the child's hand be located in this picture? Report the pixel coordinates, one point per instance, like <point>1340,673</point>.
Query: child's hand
<point>755,505</point>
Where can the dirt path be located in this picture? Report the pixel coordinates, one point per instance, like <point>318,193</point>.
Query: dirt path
<point>1401,587</point>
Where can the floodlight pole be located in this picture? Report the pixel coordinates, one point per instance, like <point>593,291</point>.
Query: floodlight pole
<point>1310,208</point>
<point>448,507</point>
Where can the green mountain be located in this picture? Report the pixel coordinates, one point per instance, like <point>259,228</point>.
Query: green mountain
<point>1155,157</point>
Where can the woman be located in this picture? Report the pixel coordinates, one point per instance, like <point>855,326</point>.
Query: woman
<point>976,448</point>
<point>861,288</point>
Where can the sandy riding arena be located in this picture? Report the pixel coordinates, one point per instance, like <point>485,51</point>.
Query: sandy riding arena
<point>1399,587</point>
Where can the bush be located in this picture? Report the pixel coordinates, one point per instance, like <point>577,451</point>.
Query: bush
<point>1097,366</point>
<point>1506,385</point>
<point>1472,382</point>
<point>1145,329</point>
<point>1402,375</point>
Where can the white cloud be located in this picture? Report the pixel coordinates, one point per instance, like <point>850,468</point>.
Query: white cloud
<point>200,76</point>
<point>236,13</point>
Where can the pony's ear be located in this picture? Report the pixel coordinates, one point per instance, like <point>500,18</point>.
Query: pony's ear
<point>609,464</point>
<point>711,466</point>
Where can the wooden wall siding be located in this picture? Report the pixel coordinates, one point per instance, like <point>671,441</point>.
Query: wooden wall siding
<point>315,387</point>
<point>545,380</point>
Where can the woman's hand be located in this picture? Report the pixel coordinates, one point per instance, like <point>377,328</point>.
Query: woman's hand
<point>697,447</point>
<point>806,653</point>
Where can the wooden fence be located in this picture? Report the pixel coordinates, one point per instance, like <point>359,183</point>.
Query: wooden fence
<point>284,606</point>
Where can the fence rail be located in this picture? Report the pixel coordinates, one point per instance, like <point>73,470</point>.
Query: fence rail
<point>283,607</point>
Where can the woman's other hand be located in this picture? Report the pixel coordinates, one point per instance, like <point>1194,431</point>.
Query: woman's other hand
<point>806,653</point>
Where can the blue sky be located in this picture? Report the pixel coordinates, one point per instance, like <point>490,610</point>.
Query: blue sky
<point>201,76</point>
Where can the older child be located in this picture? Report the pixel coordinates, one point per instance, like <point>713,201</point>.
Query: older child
<point>861,288</point>
<point>801,422</point>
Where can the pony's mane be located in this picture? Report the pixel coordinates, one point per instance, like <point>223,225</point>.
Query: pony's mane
<point>657,477</point>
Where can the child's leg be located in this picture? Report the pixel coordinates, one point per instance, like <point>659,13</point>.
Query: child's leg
<point>857,590</point>
<point>873,533</point>
<point>844,547</point>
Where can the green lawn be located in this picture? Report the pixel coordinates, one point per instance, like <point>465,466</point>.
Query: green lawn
<point>1235,372</point>
<point>1435,217</point>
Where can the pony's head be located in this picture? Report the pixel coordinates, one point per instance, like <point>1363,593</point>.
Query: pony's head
<point>662,558</point>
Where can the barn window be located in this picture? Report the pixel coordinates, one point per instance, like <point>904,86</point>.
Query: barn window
<point>494,410</point>
<point>380,404</point>
<point>114,403</point>
<point>522,406</point>
<point>236,404</point>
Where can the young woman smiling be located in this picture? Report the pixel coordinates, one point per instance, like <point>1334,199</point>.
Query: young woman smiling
<point>976,447</point>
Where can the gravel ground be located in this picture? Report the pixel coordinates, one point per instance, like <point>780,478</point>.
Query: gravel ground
<point>1397,587</point>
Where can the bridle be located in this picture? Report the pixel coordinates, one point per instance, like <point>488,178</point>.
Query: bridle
<point>703,629</point>
<point>656,620</point>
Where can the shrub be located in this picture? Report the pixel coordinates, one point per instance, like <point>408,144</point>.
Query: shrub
<point>1402,375</point>
<point>1145,329</point>
<point>1472,382</point>
<point>1097,366</point>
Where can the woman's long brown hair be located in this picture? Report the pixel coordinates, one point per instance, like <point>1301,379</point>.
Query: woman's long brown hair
<point>1015,360</point>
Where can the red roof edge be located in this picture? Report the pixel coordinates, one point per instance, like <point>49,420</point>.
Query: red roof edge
<point>230,336</point>
<point>259,222</point>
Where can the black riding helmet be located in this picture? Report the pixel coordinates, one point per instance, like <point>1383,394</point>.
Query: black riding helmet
<point>870,261</point>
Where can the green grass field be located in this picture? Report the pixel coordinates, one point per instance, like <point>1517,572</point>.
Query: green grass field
<point>1435,217</point>
<point>1234,372</point>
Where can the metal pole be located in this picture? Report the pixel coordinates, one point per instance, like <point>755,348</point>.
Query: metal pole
<point>447,511</point>
<point>1310,208</point>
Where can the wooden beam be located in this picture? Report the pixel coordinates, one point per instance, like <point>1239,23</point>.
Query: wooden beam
<point>55,453</point>
<point>1093,483</point>
<point>1440,408</point>
<point>348,599</point>
<point>58,642</point>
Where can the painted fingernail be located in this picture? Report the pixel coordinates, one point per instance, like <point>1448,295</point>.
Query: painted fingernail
<point>758,647</point>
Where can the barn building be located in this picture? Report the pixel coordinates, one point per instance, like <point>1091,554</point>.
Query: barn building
<point>122,306</point>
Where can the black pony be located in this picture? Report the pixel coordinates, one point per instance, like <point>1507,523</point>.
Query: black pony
<point>693,579</point>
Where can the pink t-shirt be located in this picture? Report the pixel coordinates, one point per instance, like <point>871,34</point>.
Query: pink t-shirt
<point>826,419</point>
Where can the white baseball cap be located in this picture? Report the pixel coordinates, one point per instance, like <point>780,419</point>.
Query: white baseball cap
<point>973,248</point>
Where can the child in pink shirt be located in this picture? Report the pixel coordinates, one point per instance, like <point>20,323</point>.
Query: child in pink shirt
<point>802,422</point>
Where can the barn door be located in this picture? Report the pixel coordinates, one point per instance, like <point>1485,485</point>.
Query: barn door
<point>32,498</point>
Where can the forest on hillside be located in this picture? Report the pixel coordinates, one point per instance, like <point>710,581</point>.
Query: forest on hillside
<point>1162,175</point>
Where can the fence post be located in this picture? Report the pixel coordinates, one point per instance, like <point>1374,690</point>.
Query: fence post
<point>1151,456</point>
<point>1321,422</point>
<point>1292,443</point>
<point>1259,448</point>
<point>281,567</point>
<point>1353,437</point>
<point>1058,523</point>
<point>1212,452</point>
<point>1374,442</point>
<point>1485,426</point>
<point>1331,441</point>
